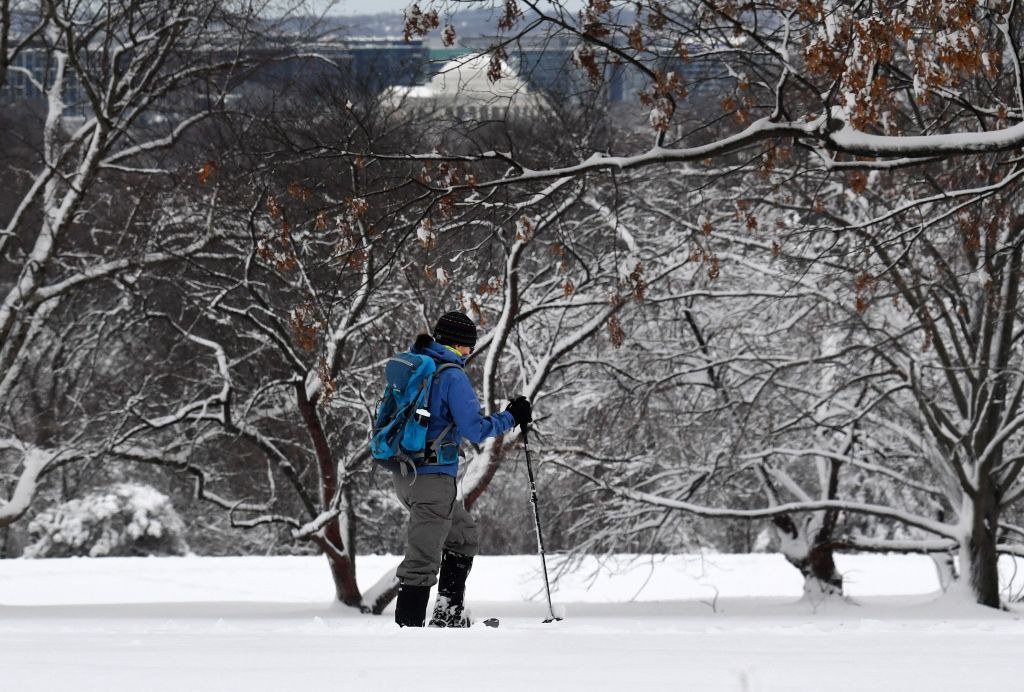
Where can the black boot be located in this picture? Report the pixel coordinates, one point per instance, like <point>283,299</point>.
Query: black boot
<point>411,607</point>
<point>449,610</point>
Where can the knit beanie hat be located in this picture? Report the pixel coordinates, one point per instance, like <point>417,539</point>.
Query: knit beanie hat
<point>455,329</point>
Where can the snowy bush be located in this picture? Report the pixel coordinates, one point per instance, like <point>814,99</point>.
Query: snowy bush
<point>126,520</point>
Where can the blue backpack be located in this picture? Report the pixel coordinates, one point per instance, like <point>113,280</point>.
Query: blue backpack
<point>400,424</point>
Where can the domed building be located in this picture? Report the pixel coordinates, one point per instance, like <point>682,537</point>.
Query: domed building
<point>465,89</point>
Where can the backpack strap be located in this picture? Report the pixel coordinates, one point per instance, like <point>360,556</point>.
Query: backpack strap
<point>440,438</point>
<point>451,424</point>
<point>445,366</point>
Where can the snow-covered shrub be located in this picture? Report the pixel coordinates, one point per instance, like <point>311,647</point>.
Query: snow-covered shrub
<point>127,520</point>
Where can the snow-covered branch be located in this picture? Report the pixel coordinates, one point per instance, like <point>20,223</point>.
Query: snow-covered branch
<point>907,518</point>
<point>33,462</point>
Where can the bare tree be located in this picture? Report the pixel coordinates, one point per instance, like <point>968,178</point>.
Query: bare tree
<point>847,375</point>
<point>826,100</point>
<point>119,86</point>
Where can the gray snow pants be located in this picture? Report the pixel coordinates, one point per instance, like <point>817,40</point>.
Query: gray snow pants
<point>437,521</point>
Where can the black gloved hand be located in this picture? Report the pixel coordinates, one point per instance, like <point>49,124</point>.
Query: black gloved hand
<point>521,410</point>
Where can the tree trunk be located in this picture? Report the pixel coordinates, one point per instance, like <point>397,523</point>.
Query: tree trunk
<point>482,481</point>
<point>821,579</point>
<point>979,559</point>
<point>342,570</point>
<point>945,569</point>
<point>339,549</point>
<point>811,552</point>
<point>344,580</point>
<point>380,601</point>
<point>341,532</point>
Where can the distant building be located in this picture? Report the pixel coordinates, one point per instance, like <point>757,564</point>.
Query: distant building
<point>464,88</point>
<point>372,63</point>
<point>546,64</point>
<point>388,62</point>
<point>551,69</point>
<point>542,68</point>
<point>32,73</point>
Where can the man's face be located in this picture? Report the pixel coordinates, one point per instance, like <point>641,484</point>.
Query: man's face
<point>464,350</point>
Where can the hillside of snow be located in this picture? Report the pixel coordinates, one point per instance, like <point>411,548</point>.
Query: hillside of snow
<point>713,622</point>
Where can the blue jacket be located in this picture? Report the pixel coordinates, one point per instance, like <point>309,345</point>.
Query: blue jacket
<point>452,399</point>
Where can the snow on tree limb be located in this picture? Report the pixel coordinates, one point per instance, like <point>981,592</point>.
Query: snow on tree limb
<point>33,462</point>
<point>907,518</point>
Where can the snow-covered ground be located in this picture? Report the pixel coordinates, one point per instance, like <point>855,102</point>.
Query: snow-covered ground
<point>716,622</point>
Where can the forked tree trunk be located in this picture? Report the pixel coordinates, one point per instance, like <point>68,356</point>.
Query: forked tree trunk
<point>338,547</point>
<point>811,552</point>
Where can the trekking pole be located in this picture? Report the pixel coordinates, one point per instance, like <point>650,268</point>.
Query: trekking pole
<point>540,534</point>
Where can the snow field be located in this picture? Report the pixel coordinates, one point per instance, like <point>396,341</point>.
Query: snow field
<point>717,622</point>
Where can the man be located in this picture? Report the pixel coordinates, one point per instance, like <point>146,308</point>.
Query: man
<point>441,532</point>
